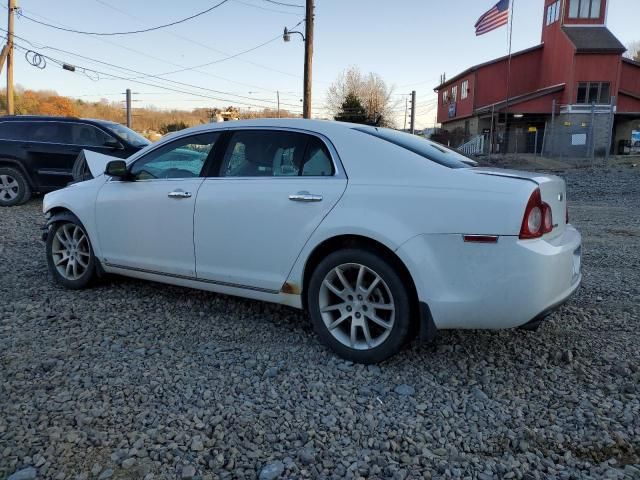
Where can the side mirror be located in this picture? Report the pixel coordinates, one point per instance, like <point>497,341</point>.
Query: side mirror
<point>113,144</point>
<point>117,169</point>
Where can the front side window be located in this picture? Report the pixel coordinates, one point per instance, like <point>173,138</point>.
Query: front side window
<point>264,153</point>
<point>183,158</point>
<point>88,135</point>
<point>584,8</point>
<point>594,92</point>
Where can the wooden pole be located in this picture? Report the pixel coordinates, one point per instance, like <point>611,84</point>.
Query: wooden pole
<point>10,105</point>
<point>413,112</point>
<point>308,59</point>
<point>278,97</point>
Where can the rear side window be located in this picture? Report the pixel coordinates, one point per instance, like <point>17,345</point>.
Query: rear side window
<point>14,131</point>
<point>275,153</point>
<point>50,132</point>
<point>420,146</point>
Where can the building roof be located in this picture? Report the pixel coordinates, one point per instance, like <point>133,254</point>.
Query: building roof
<point>491,62</point>
<point>630,61</point>
<point>594,40</point>
<point>521,98</point>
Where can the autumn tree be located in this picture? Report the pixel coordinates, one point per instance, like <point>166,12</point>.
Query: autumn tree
<point>371,90</point>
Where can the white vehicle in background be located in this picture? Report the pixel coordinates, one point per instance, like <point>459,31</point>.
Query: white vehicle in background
<point>381,236</point>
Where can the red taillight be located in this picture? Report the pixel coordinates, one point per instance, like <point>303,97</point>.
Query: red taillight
<point>536,216</point>
<point>547,218</point>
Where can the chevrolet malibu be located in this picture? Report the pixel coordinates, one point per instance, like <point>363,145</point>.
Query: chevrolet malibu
<point>381,236</point>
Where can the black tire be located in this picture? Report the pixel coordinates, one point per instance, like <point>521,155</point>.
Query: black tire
<point>82,253</point>
<point>392,284</point>
<point>18,194</point>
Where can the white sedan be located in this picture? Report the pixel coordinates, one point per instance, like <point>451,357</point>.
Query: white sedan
<point>381,236</point>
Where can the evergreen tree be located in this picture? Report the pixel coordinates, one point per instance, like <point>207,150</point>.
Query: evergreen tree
<point>352,110</point>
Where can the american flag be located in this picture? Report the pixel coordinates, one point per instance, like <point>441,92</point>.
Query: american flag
<point>494,18</point>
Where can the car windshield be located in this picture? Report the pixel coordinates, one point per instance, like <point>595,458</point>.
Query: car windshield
<point>421,146</point>
<point>127,134</point>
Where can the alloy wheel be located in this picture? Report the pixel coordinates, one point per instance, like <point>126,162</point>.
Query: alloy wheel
<point>71,251</point>
<point>9,188</point>
<point>357,306</point>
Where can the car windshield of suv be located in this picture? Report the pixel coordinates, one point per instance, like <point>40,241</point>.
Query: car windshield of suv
<point>127,134</point>
<point>425,148</point>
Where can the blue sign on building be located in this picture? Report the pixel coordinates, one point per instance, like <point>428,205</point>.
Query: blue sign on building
<point>452,110</point>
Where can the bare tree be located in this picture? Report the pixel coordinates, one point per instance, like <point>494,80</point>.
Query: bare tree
<point>633,51</point>
<point>371,90</point>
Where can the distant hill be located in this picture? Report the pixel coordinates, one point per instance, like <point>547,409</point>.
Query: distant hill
<point>45,102</point>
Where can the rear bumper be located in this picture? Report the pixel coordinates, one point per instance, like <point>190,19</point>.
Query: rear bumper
<point>493,286</point>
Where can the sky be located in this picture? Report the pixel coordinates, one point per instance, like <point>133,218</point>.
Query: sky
<point>409,43</point>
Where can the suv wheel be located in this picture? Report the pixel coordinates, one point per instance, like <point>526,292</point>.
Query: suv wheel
<point>359,306</point>
<point>14,188</point>
<point>69,254</point>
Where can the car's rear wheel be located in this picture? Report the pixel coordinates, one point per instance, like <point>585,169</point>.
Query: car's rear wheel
<point>14,188</point>
<point>69,254</point>
<point>359,306</point>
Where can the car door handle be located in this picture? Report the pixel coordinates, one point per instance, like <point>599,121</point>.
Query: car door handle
<point>305,197</point>
<point>179,194</point>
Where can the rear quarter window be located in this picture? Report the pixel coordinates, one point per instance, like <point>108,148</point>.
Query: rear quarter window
<point>425,148</point>
<point>14,131</point>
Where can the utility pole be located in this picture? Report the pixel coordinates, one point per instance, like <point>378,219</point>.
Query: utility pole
<point>128,107</point>
<point>413,112</point>
<point>308,59</point>
<point>406,108</point>
<point>7,52</point>
<point>278,95</point>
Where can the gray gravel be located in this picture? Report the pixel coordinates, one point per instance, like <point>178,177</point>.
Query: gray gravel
<point>140,380</point>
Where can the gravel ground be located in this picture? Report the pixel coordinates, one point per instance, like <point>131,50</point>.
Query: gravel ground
<point>140,380</point>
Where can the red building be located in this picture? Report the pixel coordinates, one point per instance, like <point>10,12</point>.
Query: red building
<point>574,94</point>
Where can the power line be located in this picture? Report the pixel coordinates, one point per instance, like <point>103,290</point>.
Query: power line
<point>278,37</point>
<point>61,63</point>
<point>259,7</point>
<point>203,12</point>
<point>284,4</point>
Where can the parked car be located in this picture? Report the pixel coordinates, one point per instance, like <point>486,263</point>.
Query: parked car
<point>37,153</point>
<point>381,236</point>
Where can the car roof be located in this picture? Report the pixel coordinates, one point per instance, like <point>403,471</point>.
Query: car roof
<point>49,118</point>
<point>318,126</point>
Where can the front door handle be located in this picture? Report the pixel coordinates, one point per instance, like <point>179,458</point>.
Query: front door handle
<point>179,194</point>
<point>305,197</point>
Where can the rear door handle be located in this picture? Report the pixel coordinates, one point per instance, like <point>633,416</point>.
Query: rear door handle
<point>305,197</point>
<point>179,194</point>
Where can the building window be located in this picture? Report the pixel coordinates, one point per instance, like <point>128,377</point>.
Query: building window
<point>454,94</point>
<point>464,93</point>
<point>553,12</point>
<point>584,8</point>
<point>445,97</point>
<point>594,92</point>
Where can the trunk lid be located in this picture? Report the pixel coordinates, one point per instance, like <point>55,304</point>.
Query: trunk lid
<point>552,189</point>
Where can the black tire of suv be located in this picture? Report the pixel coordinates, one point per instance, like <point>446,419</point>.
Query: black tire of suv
<point>90,273</point>
<point>24,189</point>
<point>402,324</point>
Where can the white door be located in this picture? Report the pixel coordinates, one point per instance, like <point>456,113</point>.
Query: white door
<point>146,223</point>
<point>273,190</point>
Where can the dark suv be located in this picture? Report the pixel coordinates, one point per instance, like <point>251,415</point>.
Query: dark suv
<point>37,153</point>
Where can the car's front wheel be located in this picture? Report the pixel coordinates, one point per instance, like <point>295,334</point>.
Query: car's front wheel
<point>359,306</point>
<point>14,188</point>
<point>69,254</point>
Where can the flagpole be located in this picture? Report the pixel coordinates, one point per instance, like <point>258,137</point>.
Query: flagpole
<point>506,115</point>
